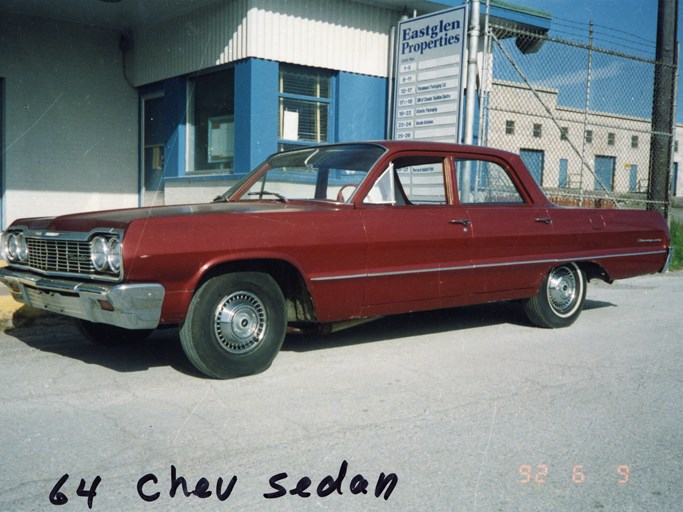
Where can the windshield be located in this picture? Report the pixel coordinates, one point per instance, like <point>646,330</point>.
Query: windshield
<point>323,173</point>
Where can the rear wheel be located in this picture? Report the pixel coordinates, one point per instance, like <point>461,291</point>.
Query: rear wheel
<point>235,325</point>
<point>560,300</point>
<point>111,335</point>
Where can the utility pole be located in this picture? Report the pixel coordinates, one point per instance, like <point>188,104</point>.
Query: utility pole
<point>472,71</point>
<point>661,142</point>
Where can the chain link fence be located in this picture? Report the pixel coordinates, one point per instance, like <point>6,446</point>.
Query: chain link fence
<point>579,116</point>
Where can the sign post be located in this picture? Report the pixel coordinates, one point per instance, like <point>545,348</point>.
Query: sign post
<point>429,54</point>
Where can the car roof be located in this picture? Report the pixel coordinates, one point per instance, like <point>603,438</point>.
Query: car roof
<point>413,145</point>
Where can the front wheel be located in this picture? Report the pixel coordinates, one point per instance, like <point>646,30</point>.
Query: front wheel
<point>560,300</point>
<point>235,325</point>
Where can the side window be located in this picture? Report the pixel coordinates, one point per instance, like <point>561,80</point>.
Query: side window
<point>384,189</point>
<point>410,181</point>
<point>482,182</point>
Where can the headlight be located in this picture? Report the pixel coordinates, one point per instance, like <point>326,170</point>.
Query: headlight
<point>99,253</point>
<point>15,248</point>
<point>105,254</point>
<point>11,246</point>
<point>22,247</point>
<point>114,255</point>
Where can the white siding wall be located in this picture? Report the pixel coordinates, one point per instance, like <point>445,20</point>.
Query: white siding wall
<point>70,119</point>
<point>334,34</point>
<point>340,35</point>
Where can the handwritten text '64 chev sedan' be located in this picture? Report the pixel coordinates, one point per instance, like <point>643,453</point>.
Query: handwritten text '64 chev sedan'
<point>324,235</point>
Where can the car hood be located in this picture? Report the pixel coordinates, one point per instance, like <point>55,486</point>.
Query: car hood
<point>120,219</point>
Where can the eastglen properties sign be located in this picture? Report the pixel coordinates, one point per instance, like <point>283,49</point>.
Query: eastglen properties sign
<point>430,52</point>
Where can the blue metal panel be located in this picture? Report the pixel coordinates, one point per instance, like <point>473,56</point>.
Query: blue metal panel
<point>674,179</point>
<point>175,103</point>
<point>633,178</point>
<point>564,173</point>
<point>361,107</point>
<point>533,159</point>
<point>256,112</point>
<point>604,172</point>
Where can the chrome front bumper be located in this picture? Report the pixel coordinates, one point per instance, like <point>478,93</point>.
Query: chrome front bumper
<point>131,306</point>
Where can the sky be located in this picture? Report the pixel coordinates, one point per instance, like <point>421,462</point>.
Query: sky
<point>628,26</point>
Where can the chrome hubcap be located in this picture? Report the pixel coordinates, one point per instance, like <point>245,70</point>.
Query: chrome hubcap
<point>562,289</point>
<point>240,322</point>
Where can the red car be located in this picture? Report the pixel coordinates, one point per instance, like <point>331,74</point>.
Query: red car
<point>328,234</point>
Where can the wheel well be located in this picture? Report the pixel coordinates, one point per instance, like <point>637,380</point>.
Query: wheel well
<point>299,305</point>
<point>594,271</point>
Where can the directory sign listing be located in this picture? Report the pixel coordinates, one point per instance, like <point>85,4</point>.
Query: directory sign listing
<point>430,54</point>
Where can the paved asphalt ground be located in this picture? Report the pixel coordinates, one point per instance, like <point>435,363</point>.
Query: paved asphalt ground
<point>470,409</point>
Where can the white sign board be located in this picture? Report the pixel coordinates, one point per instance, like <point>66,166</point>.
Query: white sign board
<point>430,52</point>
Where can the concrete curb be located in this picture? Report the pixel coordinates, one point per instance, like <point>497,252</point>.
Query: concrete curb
<point>16,314</point>
<point>8,306</point>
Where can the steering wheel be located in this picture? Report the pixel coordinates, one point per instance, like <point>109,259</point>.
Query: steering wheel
<point>341,194</point>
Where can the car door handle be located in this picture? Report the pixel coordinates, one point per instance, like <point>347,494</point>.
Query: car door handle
<point>464,222</point>
<point>545,220</point>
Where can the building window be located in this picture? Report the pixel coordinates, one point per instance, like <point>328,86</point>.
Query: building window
<point>564,133</point>
<point>610,139</point>
<point>589,136</point>
<point>211,139</point>
<point>634,141</point>
<point>538,130</point>
<point>305,101</point>
<point>675,146</point>
<point>509,127</point>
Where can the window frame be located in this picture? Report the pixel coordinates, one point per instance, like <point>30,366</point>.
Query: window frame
<point>191,130</point>
<point>447,173</point>
<point>509,127</point>
<point>146,174</point>
<point>329,102</point>
<point>537,130</point>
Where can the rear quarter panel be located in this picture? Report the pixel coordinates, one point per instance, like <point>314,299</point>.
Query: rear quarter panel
<point>625,243</point>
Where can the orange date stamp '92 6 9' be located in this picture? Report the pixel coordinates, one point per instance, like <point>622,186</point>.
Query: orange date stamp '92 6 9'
<point>539,473</point>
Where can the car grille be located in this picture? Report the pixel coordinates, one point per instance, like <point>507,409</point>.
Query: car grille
<point>66,256</point>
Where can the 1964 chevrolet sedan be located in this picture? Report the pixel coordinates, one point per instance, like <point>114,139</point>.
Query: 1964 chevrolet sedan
<point>324,235</point>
